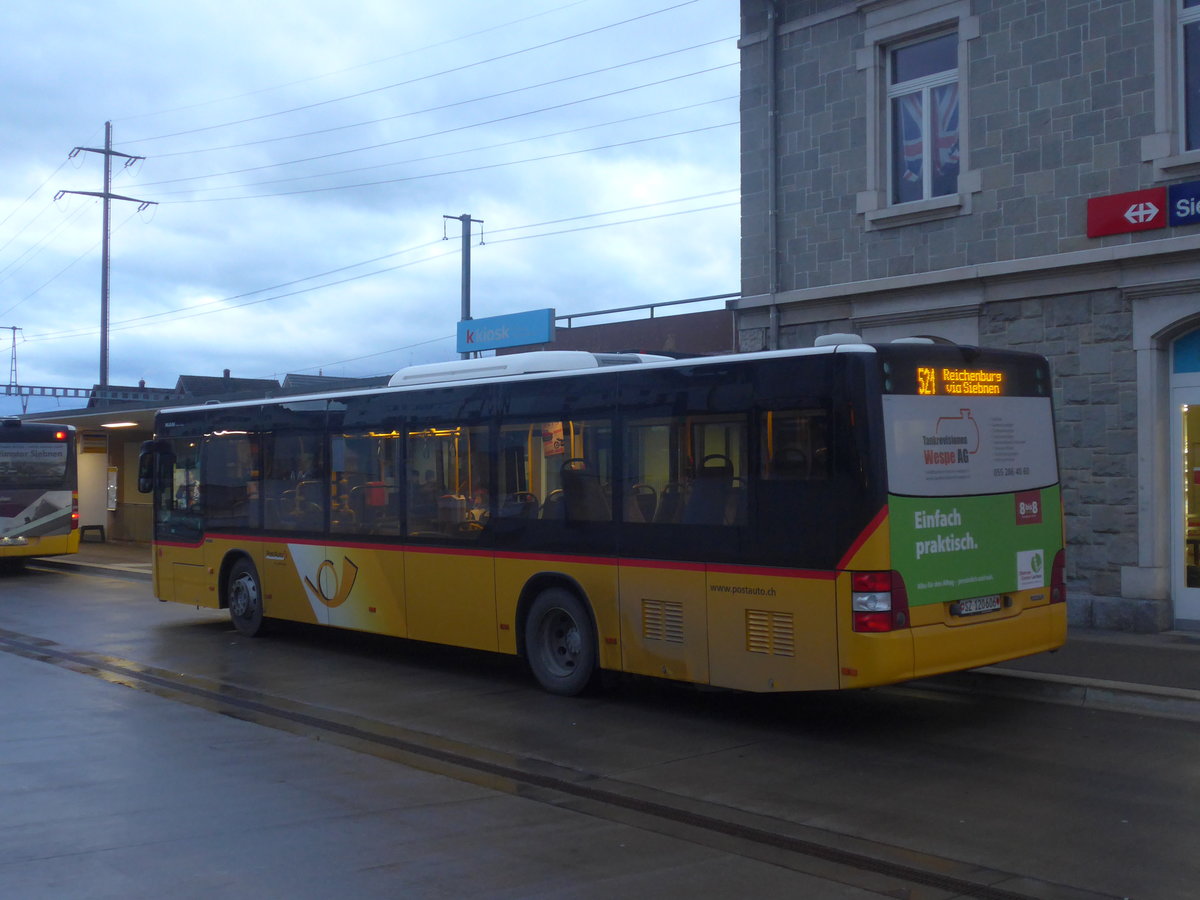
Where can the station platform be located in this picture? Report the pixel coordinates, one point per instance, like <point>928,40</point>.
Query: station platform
<point>1150,674</point>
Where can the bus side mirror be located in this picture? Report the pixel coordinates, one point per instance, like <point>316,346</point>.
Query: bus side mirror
<point>145,481</point>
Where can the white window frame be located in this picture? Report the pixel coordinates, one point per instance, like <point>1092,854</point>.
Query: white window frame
<point>925,87</point>
<point>1167,147</point>
<point>1186,17</point>
<point>889,26</point>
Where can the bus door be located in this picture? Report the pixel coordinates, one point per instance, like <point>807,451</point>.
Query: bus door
<point>449,579</point>
<point>361,583</point>
<point>230,499</point>
<point>172,469</point>
<point>295,508</point>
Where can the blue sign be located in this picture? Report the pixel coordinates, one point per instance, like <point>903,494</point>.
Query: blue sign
<point>515,330</point>
<point>1183,203</point>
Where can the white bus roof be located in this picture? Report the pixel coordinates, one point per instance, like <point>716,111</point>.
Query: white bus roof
<point>516,364</point>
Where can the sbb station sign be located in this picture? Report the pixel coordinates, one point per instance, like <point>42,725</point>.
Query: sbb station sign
<point>1144,210</point>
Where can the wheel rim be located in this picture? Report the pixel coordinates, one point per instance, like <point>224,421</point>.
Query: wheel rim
<point>243,596</point>
<point>559,642</point>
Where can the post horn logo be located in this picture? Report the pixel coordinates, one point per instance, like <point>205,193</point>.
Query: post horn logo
<point>332,590</point>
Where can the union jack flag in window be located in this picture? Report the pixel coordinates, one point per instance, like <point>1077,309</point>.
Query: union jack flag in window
<point>945,139</point>
<point>909,148</point>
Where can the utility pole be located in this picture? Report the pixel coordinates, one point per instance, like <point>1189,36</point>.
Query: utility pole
<point>106,195</point>
<point>12,367</point>
<point>466,220</point>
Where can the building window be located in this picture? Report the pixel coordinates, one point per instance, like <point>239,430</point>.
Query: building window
<point>1189,39</point>
<point>923,119</point>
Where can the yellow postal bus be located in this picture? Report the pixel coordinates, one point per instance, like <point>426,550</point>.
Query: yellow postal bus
<point>39,501</point>
<point>834,517</point>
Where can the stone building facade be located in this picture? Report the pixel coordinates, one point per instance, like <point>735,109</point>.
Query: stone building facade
<point>958,169</point>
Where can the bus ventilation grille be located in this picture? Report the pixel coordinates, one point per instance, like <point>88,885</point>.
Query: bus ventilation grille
<point>772,633</point>
<point>662,620</point>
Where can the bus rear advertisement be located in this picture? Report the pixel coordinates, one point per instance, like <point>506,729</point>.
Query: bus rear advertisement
<point>835,517</point>
<point>39,503</point>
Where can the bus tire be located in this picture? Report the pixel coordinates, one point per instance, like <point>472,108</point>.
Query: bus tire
<point>243,596</point>
<point>560,642</point>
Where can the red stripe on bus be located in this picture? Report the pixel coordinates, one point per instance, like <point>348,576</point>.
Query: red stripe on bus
<point>863,536</point>
<point>562,559</point>
<point>662,564</point>
<point>550,557</point>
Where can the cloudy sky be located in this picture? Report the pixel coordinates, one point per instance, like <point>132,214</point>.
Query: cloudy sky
<point>302,157</point>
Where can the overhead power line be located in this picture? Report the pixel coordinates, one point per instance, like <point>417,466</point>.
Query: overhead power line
<point>447,106</point>
<point>481,168</point>
<point>411,160</point>
<point>387,87</point>
<point>226,304</point>
<point>374,62</point>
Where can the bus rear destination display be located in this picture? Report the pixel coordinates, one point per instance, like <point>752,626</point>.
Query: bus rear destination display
<point>935,380</point>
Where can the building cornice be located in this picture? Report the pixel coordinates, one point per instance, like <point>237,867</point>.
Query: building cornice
<point>1092,269</point>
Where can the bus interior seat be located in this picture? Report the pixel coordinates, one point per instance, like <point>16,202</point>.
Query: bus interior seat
<point>670,503</point>
<point>709,495</point>
<point>641,503</point>
<point>583,494</point>
<point>553,507</point>
<point>519,505</point>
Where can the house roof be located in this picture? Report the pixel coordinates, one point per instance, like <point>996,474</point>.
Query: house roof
<point>225,387</point>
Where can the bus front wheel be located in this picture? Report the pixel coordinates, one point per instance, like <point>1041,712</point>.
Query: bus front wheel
<point>560,642</point>
<point>244,598</point>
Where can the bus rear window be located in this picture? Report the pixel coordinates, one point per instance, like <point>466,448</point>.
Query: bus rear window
<point>28,464</point>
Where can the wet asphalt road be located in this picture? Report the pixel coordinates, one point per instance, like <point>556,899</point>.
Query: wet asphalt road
<point>316,763</point>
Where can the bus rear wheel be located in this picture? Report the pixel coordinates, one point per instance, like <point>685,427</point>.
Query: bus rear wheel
<point>243,596</point>
<point>560,642</point>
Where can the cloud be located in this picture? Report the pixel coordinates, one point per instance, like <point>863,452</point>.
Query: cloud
<point>576,136</point>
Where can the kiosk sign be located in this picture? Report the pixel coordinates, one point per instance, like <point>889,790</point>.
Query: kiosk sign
<point>515,330</point>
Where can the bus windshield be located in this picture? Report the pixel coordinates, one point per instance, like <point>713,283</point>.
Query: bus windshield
<point>39,506</point>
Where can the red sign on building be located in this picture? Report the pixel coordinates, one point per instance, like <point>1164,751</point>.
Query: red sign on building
<point>1134,211</point>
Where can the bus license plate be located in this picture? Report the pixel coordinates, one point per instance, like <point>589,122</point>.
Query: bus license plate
<point>973,606</point>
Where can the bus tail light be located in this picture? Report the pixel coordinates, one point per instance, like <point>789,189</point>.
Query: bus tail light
<point>74,510</point>
<point>879,601</point>
<point>1058,578</point>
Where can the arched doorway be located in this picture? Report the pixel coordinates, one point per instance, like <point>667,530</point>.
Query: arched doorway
<point>1185,479</point>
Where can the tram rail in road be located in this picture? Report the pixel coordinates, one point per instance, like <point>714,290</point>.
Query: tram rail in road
<point>871,865</point>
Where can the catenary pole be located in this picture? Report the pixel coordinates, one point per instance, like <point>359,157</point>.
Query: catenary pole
<point>106,195</point>
<point>466,221</point>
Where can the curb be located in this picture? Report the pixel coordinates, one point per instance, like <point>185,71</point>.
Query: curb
<point>1069,690</point>
<point>70,565</point>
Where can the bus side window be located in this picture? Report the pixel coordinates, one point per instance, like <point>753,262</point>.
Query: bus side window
<point>520,465</point>
<point>362,483</point>
<point>231,464</point>
<point>575,470</point>
<point>449,484</point>
<point>795,445</point>
<point>685,470</point>
<point>296,494</point>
